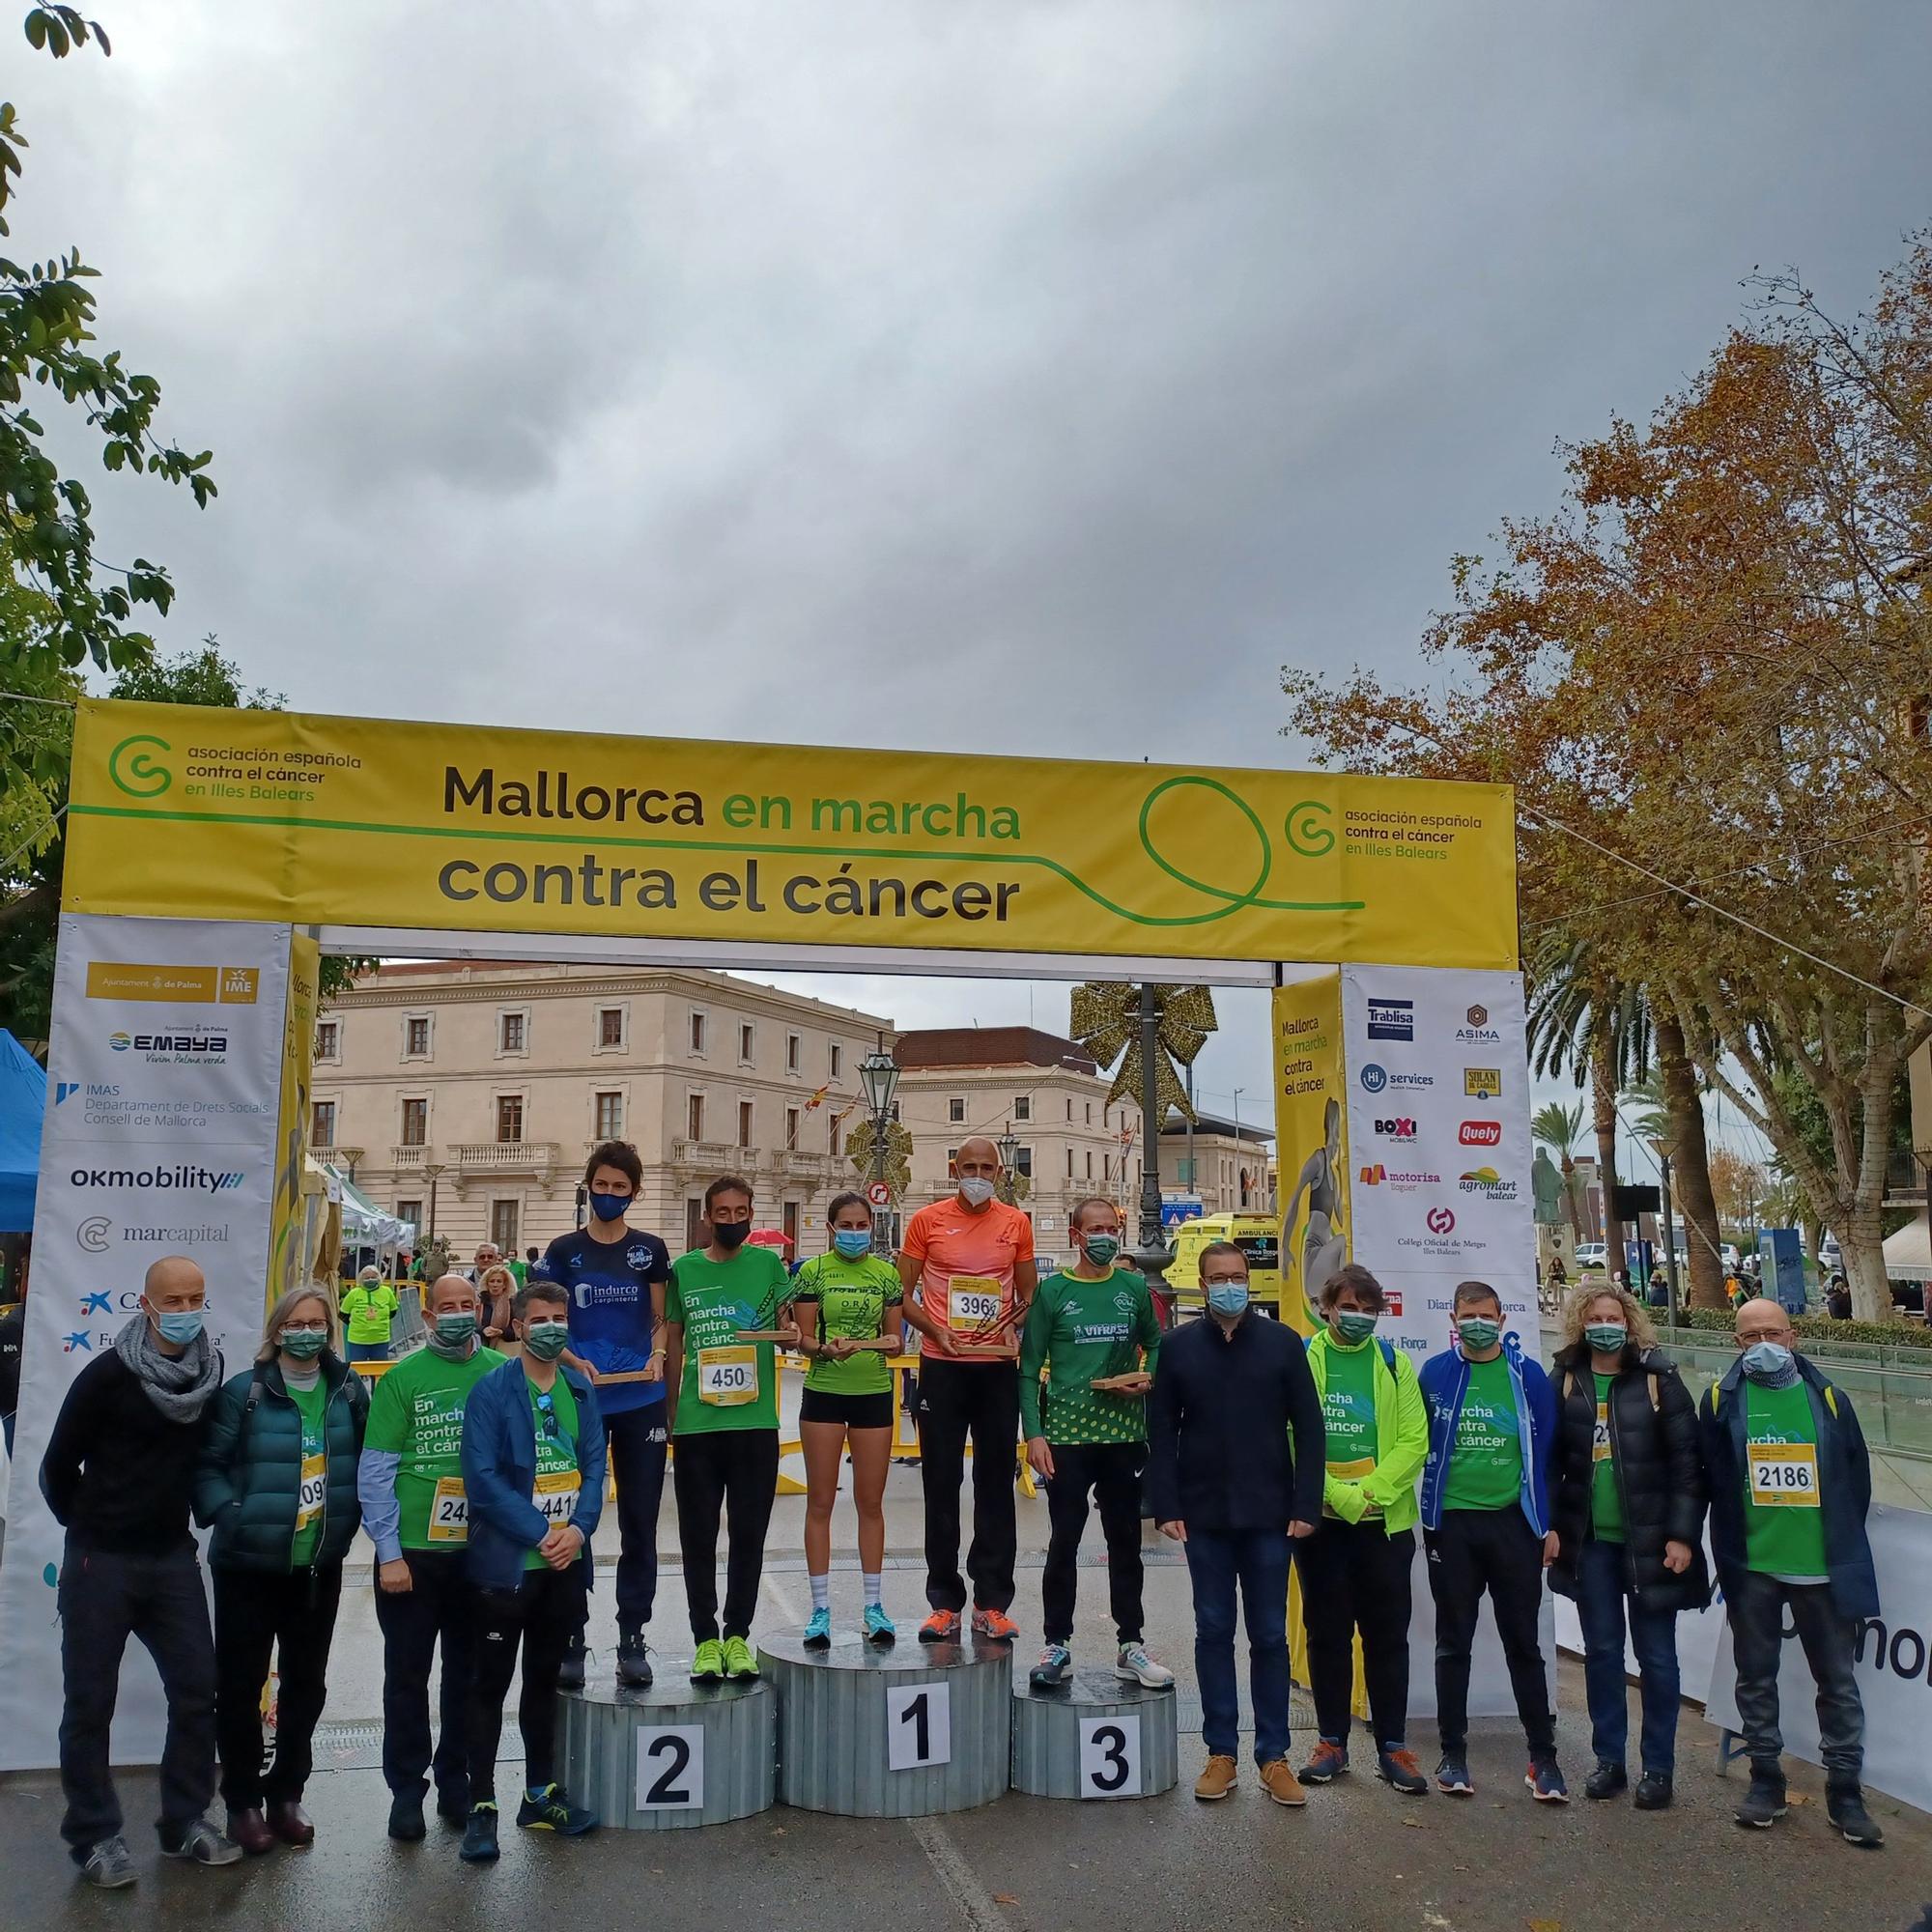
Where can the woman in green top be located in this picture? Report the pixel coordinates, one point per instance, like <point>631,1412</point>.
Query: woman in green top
<point>369,1308</point>
<point>276,1483</point>
<point>847,1308</point>
<point>1355,1568</point>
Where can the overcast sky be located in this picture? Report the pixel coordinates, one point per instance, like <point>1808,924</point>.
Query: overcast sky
<point>1000,375</point>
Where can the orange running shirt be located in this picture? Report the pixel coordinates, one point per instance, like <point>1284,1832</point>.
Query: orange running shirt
<point>980,1249</point>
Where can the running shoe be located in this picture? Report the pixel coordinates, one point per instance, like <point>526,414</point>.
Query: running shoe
<point>1399,1768</point>
<point>708,1665</point>
<point>479,1836</point>
<point>994,1627</point>
<point>738,1658</point>
<point>633,1661</point>
<point>880,1628</point>
<point>1546,1781</point>
<point>108,1866</point>
<point>819,1632</point>
<point>1135,1666</point>
<point>550,1811</point>
<point>1452,1775</point>
<point>941,1626</point>
<point>1054,1668</point>
<point>1327,1762</point>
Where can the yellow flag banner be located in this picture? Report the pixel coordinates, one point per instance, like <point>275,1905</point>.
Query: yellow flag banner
<point>287,1223</point>
<point>379,822</point>
<point>1311,1127</point>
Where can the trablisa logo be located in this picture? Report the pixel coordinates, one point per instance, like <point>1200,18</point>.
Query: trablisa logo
<point>1391,1019</point>
<point>1481,1133</point>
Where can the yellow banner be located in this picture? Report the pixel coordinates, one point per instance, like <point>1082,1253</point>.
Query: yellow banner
<point>285,1225</point>
<point>359,821</point>
<point>1311,1128</point>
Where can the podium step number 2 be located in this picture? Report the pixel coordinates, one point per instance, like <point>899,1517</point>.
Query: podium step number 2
<point>919,1725</point>
<point>670,1767</point>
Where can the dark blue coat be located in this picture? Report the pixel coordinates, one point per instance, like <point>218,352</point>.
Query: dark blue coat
<point>1844,1485</point>
<point>499,1473</point>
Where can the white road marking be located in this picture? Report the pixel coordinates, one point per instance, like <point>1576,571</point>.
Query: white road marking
<point>976,1906</point>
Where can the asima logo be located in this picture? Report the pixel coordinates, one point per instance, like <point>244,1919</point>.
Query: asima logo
<point>134,771</point>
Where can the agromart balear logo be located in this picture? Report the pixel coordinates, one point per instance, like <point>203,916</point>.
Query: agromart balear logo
<point>134,772</point>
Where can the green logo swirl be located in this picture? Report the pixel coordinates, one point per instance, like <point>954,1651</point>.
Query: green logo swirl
<point>1306,832</point>
<point>136,774</point>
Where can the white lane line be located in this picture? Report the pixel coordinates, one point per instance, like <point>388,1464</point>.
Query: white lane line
<point>779,1598</point>
<point>961,1883</point>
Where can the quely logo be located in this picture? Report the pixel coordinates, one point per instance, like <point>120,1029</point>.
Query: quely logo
<point>1442,1220</point>
<point>1374,1078</point>
<point>1481,1133</point>
<point>1391,1019</point>
<point>1400,1128</point>
<point>134,772</point>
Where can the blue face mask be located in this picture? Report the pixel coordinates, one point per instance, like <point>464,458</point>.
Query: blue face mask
<point>609,1206</point>
<point>1768,1361</point>
<point>852,1242</point>
<point>181,1326</point>
<point>1228,1297</point>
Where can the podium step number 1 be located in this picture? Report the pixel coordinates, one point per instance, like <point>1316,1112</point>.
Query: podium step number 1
<point>670,1767</point>
<point>919,1725</point>
<point>1110,1757</point>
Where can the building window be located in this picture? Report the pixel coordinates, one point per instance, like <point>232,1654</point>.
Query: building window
<point>1023,1107</point>
<point>746,1118</point>
<point>835,1137</point>
<point>512,1033</point>
<point>1070,1106</point>
<point>956,1112</point>
<point>610,1117</point>
<point>610,1026</point>
<point>509,1118</point>
<point>415,1122</point>
<point>792,1050</point>
<point>788,1224</point>
<point>410,1211</point>
<point>748,1043</point>
<point>503,1224</point>
<point>1023,1161</point>
<point>1090,1163</point>
<point>951,1162</point>
<point>694,1117</point>
<point>415,1036</point>
<point>322,1133</point>
<point>328,1040</point>
<point>693,1221</point>
<point>1089,1114</point>
<point>791,1126</point>
<point>698,1033</point>
<point>837,1060</point>
<point>1069,1157</point>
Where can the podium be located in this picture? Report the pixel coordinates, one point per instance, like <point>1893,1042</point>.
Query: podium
<point>897,1732</point>
<point>674,1755</point>
<point>1098,1736</point>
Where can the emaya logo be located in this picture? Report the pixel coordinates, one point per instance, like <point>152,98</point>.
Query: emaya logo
<point>134,772</point>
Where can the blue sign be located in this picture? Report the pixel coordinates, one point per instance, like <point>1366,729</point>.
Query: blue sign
<point>1782,1273</point>
<point>1175,1212</point>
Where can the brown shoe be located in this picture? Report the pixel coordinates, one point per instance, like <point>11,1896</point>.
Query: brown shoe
<point>1216,1779</point>
<point>291,1825</point>
<point>250,1830</point>
<point>1281,1783</point>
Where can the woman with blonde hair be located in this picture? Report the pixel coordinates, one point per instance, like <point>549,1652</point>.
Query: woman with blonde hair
<point>496,1313</point>
<point>276,1484</point>
<point>1629,1497</point>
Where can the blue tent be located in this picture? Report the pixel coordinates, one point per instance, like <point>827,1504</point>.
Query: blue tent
<point>24,1099</point>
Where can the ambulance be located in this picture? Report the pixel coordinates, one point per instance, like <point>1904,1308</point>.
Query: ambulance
<point>1257,1236</point>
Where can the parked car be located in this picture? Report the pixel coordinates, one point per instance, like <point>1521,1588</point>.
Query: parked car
<point>1593,1254</point>
<point>1831,1256</point>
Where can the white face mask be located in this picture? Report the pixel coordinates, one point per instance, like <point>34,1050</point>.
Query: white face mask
<point>976,1190</point>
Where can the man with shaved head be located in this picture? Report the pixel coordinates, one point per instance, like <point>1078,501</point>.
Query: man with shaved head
<point>968,1272</point>
<point>118,1477</point>
<point>414,1507</point>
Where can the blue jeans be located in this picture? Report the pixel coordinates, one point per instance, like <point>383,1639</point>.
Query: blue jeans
<point>1602,1604</point>
<point>1217,1559</point>
<point>368,1351</point>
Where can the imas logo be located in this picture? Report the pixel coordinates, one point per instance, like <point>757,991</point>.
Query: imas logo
<point>173,1049</point>
<point>1391,1019</point>
<point>183,1179</point>
<point>1487,1182</point>
<point>134,771</point>
<point>65,1091</point>
<point>1476,1030</point>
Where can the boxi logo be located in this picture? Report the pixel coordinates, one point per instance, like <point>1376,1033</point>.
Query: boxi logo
<point>192,1179</point>
<point>1481,1133</point>
<point>1398,1129</point>
<point>1391,1019</point>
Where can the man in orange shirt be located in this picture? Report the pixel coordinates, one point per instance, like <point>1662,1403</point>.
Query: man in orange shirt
<point>968,1270</point>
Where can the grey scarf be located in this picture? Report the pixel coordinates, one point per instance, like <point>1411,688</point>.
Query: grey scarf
<point>179,1385</point>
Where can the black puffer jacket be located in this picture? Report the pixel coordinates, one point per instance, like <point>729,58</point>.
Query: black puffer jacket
<point>1659,1471</point>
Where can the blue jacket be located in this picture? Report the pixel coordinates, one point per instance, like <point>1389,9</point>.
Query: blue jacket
<point>1844,1486</point>
<point>499,1473</point>
<point>1444,1379</point>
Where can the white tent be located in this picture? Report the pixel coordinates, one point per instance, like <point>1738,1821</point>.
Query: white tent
<point>1908,1254</point>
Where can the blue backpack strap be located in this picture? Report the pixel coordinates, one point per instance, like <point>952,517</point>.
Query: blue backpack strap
<point>1388,1352</point>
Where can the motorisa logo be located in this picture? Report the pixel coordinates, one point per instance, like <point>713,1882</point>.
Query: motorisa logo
<point>1396,1127</point>
<point>1398,1179</point>
<point>1476,1030</point>
<point>183,1177</point>
<point>1488,1182</point>
<point>173,1049</point>
<point>1480,1133</point>
<point>1391,1019</point>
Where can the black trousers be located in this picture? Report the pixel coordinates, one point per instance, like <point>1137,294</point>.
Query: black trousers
<point>540,1616</point>
<point>1354,1576</point>
<point>104,1600</point>
<point>439,1609</point>
<point>1496,1550</point>
<point>1112,1472</point>
<point>637,1442</point>
<point>292,1612</point>
<point>980,1400</point>
<point>723,1468</point>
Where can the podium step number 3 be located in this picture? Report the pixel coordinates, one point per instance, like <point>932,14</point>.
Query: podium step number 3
<point>670,1767</point>
<point>1110,1757</point>
<point>919,1725</point>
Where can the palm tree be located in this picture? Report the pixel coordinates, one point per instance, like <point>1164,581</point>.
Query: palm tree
<point>1560,1128</point>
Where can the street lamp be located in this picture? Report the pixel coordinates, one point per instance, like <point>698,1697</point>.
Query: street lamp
<point>879,1081</point>
<point>1009,1145</point>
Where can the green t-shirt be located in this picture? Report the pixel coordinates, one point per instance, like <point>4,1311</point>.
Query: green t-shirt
<point>1349,1408</point>
<point>1485,1463</point>
<point>1606,1503</point>
<point>1785,1518</point>
<point>369,1311</point>
<point>1076,1330</point>
<point>311,1402</point>
<point>417,1413</point>
<point>520,1273</point>
<point>852,1298</point>
<point>727,1383</point>
<point>553,1417</point>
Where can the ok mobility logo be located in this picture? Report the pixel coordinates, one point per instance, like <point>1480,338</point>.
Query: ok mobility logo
<point>185,1179</point>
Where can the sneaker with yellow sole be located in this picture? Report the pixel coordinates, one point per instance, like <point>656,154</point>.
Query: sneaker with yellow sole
<point>1216,1779</point>
<point>1281,1783</point>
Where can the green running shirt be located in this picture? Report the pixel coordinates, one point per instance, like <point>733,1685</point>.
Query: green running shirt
<point>1077,1331</point>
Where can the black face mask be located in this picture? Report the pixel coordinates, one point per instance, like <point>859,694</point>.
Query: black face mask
<point>730,1234</point>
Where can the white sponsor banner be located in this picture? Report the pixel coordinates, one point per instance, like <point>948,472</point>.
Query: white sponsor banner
<point>1895,1666</point>
<point>163,1074</point>
<point>1489,1692</point>
<point>1438,1143</point>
